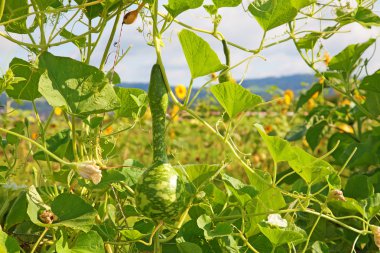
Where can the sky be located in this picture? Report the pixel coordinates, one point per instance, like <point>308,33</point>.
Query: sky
<point>237,26</point>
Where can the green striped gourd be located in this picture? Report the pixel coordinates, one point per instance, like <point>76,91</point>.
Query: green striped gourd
<point>159,190</point>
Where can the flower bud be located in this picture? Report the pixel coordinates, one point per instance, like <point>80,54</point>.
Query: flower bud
<point>336,195</point>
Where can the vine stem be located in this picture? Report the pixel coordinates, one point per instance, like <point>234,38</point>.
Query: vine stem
<point>36,144</point>
<point>39,240</point>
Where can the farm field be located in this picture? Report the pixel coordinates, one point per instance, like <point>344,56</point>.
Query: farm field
<point>202,156</point>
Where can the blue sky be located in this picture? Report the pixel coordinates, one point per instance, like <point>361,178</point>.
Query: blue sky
<point>237,26</point>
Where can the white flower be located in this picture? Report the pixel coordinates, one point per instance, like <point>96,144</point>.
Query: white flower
<point>276,220</point>
<point>89,170</point>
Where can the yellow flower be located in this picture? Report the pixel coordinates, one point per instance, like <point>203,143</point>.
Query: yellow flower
<point>315,95</point>
<point>287,99</point>
<point>34,136</point>
<point>268,129</point>
<point>180,91</point>
<point>174,113</point>
<point>327,58</point>
<point>345,102</point>
<point>289,93</point>
<point>360,98</point>
<point>310,104</point>
<point>58,111</point>
<point>321,80</point>
<point>108,130</point>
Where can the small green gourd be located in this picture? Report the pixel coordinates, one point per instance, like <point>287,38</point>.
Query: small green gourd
<point>159,191</point>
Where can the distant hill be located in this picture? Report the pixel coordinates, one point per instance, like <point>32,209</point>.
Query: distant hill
<point>264,87</point>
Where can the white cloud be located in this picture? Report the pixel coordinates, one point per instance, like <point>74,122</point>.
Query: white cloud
<point>236,25</point>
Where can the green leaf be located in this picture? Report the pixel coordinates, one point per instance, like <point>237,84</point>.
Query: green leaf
<point>60,144</point>
<point>311,169</point>
<point>234,98</point>
<point>372,205</point>
<point>319,247</point>
<point>133,102</point>
<point>176,7</point>
<point>315,133</point>
<point>8,244</point>
<point>273,13</point>
<point>81,88</point>
<point>79,42</point>
<point>243,193</point>
<point>350,206</point>
<point>200,57</point>
<point>199,174</point>
<point>71,211</point>
<point>17,213</point>
<point>221,229</point>
<point>366,17</point>
<point>362,16</point>
<point>370,85</point>
<point>358,187</point>
<point>371,82</point>
<point>188,247</point>
<point>304,97</point>
<point>27,76</point>
<point>279,236</point>
<point>44,4</point>
<point>133,234</point>
<point>16,10</point>
<point>296,133</point>
<point>346,60</point>
<point>90,242</point>
<point>226,3</point>
<point>309,40</point>
<point>92,11</point>
<point>18,128</point>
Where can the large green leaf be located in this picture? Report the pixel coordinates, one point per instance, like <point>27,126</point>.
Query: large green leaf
<point>81,88</point>
<point>8,244</point>
<point>27,76</point>
<point>176,7</point>
<point>44,4</point>
<point>361,15</point>
<point>346,60</point>
<point>132,102</point>
<point>234,98</point>
<point>199,174</point>
<point>79,42</point>
<point>71,211</point>
<point>17,213</point>
<point>221,229</point>
<point>314,133</point>
<point>90,242</point>
<point>60,144</point>
<point>370,85</point>
<point>200,57</point>
<point>226,3</point>
<point>358,187</point>
<point>16,10</point>
<point>279,236</point>
<point>311,169</point>
<point>372,205</point>
<point>273,13</point>
<point>188,247</point>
